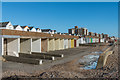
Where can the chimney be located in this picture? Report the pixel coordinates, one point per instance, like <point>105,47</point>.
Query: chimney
<point>76,27</point>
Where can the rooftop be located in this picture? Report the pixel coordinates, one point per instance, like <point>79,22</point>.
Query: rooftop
<point>3,24</point>
<point>15,26</point>
<point>31,28</point>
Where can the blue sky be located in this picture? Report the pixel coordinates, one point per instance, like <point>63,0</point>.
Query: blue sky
<point>60,0</point>
<point>100,17</point>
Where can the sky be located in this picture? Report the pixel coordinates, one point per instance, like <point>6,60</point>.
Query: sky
<point>99,17</point>
<point>60,0</point>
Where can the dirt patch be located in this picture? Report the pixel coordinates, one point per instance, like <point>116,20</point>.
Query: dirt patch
<point>72,70</point>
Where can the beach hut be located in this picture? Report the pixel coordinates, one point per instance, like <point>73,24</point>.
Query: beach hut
<point>87,40</point>
<point>75,43</point>
<point>57,44</point>
<point>25,45</point>
<point>72,43</point>
<point>69,43</point>
<point>51,44</point>
<point>99,40</point>
<point>36,45</point>
<point>11,46</point>
<point>65,43</point>
<point>44,45</point>
<point>91,40</point>
<point>61,44</point>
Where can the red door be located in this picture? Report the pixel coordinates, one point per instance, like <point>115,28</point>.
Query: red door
<point>74,43</point>
<point>99,40</point>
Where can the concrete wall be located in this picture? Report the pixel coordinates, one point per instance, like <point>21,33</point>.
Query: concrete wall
<point>44,45</point>
<point>13,46</point>
<point>26,45</point>
<point>57,42</point>
<point>51,44</point>
<point>1,46</point>
<point>72,43</point>
<point>103,57</point>
<point>65,43</point>
<point>69,43</point>
<point>61,44</point>
<point>36,45</point>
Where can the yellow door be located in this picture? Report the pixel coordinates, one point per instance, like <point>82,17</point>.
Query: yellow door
<point>72,43</point>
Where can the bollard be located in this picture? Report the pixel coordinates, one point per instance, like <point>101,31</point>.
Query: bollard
<point>40,62</point>
<point>53,58</point>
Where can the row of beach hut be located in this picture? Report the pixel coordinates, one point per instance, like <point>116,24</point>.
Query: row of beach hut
<point>14,42</point>
<point>13,46</point>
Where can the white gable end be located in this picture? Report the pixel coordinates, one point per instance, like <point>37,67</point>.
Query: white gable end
<point>9,26</point>
<point>26,29</point>
<point>33,30</point>
<point>18,28</point>
<point>39,30</point>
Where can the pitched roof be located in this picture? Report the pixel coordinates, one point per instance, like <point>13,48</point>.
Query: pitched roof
<point>23,26</point>
<point>37,28</point>
<point>45,30</point>
<point>31,28</point>
<point>3,24</point>
<point>15,26</point>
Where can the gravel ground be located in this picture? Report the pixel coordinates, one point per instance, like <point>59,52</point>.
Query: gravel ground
<point>72,69</point>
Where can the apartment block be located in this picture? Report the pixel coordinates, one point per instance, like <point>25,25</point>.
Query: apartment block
<point>78,31</point>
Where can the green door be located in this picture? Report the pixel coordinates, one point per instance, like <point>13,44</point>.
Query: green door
<point>91,40</point>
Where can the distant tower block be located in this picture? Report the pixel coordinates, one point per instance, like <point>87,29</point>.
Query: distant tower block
<point>76,27</point>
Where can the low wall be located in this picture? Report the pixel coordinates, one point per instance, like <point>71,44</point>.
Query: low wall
<point>103,58</point>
